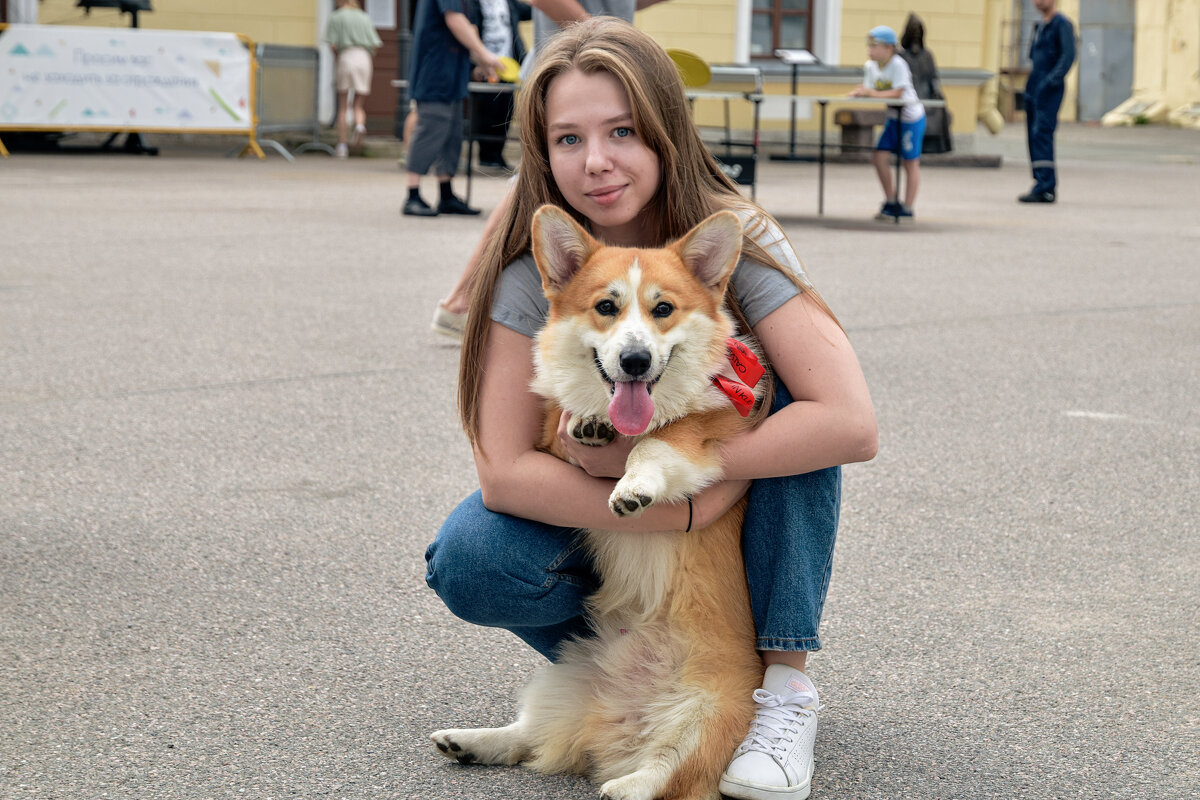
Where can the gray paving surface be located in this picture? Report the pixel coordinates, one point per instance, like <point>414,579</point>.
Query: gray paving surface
<point>226,437</point>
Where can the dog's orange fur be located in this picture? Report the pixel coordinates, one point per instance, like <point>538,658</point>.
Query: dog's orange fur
<point>656,702</point>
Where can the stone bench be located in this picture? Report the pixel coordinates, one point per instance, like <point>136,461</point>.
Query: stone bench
<point>858,127</point>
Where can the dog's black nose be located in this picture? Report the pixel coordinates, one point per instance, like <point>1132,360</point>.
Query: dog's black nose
<point>635,362</point>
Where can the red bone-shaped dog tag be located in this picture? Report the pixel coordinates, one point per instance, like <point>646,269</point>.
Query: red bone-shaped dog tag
<point>741,395</point>
<point>744,362</point>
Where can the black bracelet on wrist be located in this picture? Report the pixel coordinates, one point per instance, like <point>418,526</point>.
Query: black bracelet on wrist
<point>688,529</point>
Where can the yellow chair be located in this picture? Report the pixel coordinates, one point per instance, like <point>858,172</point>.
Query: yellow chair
<point>692,69</point>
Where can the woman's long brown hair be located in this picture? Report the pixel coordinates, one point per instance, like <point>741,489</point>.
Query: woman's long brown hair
<point>692,186</point>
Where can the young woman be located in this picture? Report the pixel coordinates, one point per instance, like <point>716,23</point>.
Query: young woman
<point>608,136</point>
<point>351,35</point>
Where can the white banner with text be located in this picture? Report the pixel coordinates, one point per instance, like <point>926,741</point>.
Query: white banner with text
<point>55,77</point>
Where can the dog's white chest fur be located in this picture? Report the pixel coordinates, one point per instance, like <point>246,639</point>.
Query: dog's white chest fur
<point>636,569</point>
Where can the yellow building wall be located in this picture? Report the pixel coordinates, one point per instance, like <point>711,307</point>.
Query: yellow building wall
<point>954,29</point>
<point>291,22</point>
<point>1167,51</point>
<point>957,32</point>
<point>1166,71</point>
<point>704,27</point>
<point>963,34</point>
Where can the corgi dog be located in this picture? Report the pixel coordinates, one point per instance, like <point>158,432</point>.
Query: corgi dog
<point>655,702</point>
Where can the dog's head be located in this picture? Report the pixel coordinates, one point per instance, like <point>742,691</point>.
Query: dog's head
<point>633,333</point>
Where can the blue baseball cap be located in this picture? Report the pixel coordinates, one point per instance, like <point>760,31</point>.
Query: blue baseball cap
<point>883,35</point>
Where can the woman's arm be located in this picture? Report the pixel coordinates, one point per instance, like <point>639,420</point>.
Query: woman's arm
<point>831,420</point>
<point>516,478</point>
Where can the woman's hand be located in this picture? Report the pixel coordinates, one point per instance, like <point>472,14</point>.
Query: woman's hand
<point>607,461</point>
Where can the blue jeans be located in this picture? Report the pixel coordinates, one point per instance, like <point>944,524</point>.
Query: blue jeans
<point>530,578</point>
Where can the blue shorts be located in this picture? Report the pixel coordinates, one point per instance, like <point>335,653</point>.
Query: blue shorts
<point>912,135</point>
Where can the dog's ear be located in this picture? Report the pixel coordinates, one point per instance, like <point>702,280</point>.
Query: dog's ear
<point>712,248</point>
<point>560,247</point>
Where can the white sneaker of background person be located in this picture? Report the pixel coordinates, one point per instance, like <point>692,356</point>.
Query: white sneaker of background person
<point>775,762</point>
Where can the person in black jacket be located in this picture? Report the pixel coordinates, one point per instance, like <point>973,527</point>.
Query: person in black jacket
<point>928,85</point>
<point>445,42</point>
<point>1052,52</point>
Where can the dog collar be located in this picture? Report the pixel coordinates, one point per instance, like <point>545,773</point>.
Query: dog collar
<point>748,369</point>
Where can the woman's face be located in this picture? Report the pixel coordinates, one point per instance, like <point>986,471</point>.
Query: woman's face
<point>598,161</point>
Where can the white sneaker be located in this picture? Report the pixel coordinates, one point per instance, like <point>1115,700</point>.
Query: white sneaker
<point>775,762</point>
<point>341,151</point>
<point>448,323</point>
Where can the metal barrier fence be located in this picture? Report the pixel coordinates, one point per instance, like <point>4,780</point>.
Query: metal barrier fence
<point>288,95</point>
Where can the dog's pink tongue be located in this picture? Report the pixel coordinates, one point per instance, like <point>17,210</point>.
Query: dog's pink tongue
<point>631,407</point>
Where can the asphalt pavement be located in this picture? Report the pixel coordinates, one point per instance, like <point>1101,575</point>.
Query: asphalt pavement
<point>227,435</point>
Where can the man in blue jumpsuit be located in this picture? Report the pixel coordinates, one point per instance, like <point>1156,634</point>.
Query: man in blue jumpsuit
<point>1052,52</point>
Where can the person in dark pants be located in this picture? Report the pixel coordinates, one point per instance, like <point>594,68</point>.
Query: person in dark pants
<point>1052,52</point>
<point>445,42</point>
<point>493,112</point>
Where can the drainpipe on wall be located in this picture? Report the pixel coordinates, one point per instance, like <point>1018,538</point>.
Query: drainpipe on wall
<point>989,95</point>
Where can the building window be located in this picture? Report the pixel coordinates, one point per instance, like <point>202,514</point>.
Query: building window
<point>776,24</point>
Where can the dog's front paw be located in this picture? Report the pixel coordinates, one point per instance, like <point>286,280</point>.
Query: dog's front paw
<point>447,743</point>
<point>629,505</point>
<point>637,786</point>
<point>592,431</point>
<point>634,493</point>
<point>507,745</point>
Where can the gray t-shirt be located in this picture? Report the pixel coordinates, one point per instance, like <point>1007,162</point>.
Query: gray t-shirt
<point>544,27</point>
<point>519,304</point>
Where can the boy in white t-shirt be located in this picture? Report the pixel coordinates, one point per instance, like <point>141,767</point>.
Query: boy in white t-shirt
<point>886,75</point>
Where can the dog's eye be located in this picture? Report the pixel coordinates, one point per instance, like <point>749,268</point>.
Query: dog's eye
<point>663,309</point>
<point>606,308</point>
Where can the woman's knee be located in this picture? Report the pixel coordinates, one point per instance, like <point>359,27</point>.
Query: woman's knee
<point>501,571</point>
<point>457,562</point>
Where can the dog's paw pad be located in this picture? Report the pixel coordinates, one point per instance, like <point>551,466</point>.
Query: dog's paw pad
<point>451,749</point>
<point>629,505</point>
<point>592,431</point>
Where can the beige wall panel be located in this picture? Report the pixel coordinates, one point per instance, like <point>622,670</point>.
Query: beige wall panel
<point>954,31</point>
<point>275,21</point>
<point>1148,56</point>
<point>1182,57</point>
<point>704,27</point>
